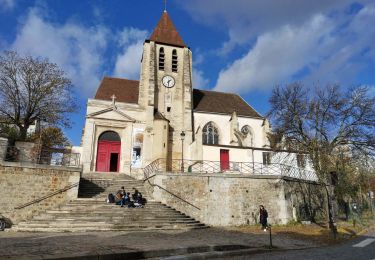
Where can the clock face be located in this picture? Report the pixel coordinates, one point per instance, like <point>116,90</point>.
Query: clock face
<point>168,81</point>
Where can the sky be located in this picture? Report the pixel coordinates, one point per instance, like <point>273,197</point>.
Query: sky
<point>240,46</point>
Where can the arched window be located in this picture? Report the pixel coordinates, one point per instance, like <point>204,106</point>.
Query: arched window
<point>161,58</point>
<point>248,133</point>
<point>110,136</point>
<point>174,61</point>
<point>210,134</point>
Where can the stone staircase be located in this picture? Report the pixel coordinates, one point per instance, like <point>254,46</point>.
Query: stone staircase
<point>90,212</point>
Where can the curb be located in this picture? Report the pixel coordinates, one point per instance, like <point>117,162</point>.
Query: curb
<point>204,252</point>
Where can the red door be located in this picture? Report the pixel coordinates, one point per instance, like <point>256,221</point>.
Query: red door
<point>108,158</point>
<point>224,159</point>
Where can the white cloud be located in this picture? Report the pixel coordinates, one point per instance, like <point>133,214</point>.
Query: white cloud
<point>7,4</point>
<point>78,50</point>
<point>245,20</point>
<point>324,49</point>
<point>275,57</point>
<point>128,62</point>
<point>199,81</point>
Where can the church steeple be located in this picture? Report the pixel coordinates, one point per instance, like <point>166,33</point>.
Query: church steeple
<point>166,32</point>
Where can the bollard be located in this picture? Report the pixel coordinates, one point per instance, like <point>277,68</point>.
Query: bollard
<point>269,227</point>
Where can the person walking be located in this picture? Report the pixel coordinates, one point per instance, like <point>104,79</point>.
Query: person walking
<point>263,215</point>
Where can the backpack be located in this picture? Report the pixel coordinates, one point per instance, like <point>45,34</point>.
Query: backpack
<point>111,198</point>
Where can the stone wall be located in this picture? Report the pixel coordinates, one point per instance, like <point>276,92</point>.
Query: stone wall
<point>28,151</point>
<point>3,148</point>
<point>20,184</point>
<point>228,199</point>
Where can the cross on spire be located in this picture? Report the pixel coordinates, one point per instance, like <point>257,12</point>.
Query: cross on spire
<point>113,99</point>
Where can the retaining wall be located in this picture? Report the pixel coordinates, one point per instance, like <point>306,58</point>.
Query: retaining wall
<point>232,200</point>
<point>22,183</point>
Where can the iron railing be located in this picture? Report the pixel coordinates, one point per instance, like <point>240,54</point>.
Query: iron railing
<point>47,196</point>
<point>44,156</point>
<point>245,168</point>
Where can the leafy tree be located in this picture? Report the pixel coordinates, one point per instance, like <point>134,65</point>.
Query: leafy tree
<point>51,137</point>
<point>33,89</point>
<point>333,126</point>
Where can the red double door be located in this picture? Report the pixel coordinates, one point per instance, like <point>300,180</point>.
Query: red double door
<point>224,160</point>
<point>108,157</point>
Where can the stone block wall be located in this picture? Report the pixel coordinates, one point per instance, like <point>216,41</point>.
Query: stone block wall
<point>20,184</point>
<point>308,199</point>
<point>28,152</point>
<point>3,148</point>
<point>227,199</point>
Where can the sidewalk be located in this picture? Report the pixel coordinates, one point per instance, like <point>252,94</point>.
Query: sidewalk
<point>15,245</point>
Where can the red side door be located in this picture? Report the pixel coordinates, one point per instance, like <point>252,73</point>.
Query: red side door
<point>224,159</point>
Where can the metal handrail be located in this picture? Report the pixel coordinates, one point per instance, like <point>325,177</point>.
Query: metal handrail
<point>47,196</point>
<point>251,168</point>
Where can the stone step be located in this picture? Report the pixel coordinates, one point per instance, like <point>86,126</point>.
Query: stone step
<point>119,210</point>
<point>103,213</point>
<point>106,225</point>
<point>98,217</point>
<point>90,212</point>
<point>62,222</point>
<point>110,205</point>
<point>100,229</point>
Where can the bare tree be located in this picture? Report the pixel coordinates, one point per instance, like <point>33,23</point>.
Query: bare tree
<point>328,123</point>
<point>33,89</point>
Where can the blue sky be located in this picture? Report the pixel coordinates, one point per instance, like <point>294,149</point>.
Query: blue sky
<point>241,46</point>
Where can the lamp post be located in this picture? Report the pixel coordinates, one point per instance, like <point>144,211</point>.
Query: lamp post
<point>182,135</point>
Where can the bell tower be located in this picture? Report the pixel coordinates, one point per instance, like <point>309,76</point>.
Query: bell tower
<point>166,83</point>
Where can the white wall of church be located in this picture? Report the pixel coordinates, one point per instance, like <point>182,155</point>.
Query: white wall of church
<point>223,124</point>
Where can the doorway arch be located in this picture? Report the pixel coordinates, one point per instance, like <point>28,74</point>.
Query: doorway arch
<point>108,154</point>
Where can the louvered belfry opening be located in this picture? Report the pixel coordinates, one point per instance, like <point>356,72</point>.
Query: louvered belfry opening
<point>161,59</point>
<point>174,61</point>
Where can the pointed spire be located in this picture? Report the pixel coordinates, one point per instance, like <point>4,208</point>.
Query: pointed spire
<point>166,32</point>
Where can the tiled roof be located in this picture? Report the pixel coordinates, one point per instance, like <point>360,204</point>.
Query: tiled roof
<point>220,102</point>
<point>203,100</point>
<point>165,32</point>
<point>125,90</point>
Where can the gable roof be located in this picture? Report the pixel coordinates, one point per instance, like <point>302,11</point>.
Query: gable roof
<point>223,103</point>
<point>125,90</point>
<point>166,32</point>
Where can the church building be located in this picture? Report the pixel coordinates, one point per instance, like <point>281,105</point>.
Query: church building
<point>129,123</point>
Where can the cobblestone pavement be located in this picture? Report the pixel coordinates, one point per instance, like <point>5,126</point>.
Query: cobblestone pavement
<point>17,245</point>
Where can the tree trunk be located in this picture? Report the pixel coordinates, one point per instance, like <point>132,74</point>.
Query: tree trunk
<point>23,134</point>
<point>331,220</point>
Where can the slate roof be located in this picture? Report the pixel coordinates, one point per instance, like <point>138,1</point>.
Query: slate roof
<point>222,103</point>
<point>166,32</point>
<point>125,90</point>
<point>203,100</point>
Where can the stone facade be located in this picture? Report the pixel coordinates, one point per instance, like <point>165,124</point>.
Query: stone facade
<point>20,184</point>
<point>231,200</point>
<point>3,148</point>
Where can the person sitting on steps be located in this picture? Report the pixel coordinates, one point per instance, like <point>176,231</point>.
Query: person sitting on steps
<point>120,197</point>
<point>138,199</point>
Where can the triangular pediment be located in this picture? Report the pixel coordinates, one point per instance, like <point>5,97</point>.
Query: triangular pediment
<point>112,113</point>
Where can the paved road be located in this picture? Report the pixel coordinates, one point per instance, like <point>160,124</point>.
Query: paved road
<point>360,248</point>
